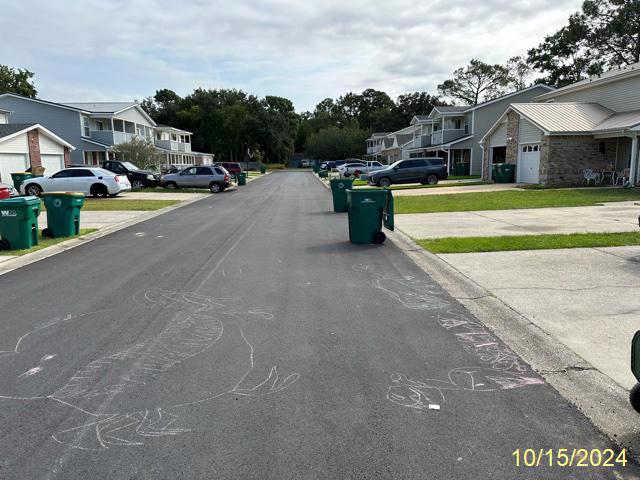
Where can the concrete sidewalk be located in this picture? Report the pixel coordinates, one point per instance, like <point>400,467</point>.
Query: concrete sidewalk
<point>609,217</point>
<point>587,298</point>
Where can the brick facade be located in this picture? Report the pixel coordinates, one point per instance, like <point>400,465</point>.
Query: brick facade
<point>486,165</point>
<point>33,139</point>
<point>563,158</point>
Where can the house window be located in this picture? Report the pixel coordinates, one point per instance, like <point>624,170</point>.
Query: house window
<point>140,130</point>
<point>100,125</point>
<point>436,128</point>
<point>174,137</point>
<point>118,125</point>
<point>86,130</point>
<point>457,124</point>
<point>466,129</point>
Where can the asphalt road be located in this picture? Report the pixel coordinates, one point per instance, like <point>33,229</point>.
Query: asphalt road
<point>243,336</point>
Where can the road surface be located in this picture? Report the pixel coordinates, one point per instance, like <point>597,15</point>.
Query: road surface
<point>243,336</point>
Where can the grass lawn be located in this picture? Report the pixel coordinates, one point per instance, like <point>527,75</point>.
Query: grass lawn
<point>507,200</point>
<point>166,190</point>
<point>463,177</point>
<point>529,242</point>
<point>45,242</point>
<point>114,204</point>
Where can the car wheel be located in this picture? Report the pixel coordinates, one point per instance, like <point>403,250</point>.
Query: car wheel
<point>99,191</point>
<point>634,397</point>
<point>137,184</point>
<point>384,182</point>
<point>171,185</point>
<point>33,189</point>
<point>432,179</point>
<point>215,188</point>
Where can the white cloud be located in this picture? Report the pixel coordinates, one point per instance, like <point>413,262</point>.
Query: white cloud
<point>302,50</point>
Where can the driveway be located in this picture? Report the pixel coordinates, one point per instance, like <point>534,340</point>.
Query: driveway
<point>588,298</point>
<point>610,217</point>
<point>243,336</point>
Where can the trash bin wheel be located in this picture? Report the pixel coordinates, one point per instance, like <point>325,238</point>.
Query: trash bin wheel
<point>46,232</point>
<point>4,245</point>
<point>634,397</point>
<point>379,237</point>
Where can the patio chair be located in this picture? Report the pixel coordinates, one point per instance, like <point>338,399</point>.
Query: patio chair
<point>590,175</point>
<point>622,176</point>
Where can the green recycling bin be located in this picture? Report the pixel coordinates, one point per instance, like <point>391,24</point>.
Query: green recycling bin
<point>461,169</point>
<point>19,222</point>
<point>369,210</point>
<point>242,178</point>
<point>496,172</point>
<point>508,170</point>
<point>316,168</point>
<point>323,174</point>
<point>20,177</point>
<point>263,169</point>
<point>339,187</point>
<point>63,214</point>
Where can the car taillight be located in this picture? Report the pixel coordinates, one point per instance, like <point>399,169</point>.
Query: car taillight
<point>226,178</point>
<point>117,179</point>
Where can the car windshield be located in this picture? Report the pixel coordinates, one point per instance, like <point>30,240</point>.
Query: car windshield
<point>396,164</point>
<point>130,166</point>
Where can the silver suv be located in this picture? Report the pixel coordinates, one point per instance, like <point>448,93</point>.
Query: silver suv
<point>216,179</point>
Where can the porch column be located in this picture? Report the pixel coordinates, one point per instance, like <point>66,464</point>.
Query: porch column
<point>449,161</point>
<point>633,171</point>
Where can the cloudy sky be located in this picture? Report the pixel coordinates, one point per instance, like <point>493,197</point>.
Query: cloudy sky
<point>304,50</point>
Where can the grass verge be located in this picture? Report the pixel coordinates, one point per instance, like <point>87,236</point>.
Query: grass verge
<point>45,242</point>
<point>115,204</point>
<point>529,242</point>
<point>511,199</point>
<point>439,185</point>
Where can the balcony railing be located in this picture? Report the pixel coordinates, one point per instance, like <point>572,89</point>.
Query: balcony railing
<point>374,149</point>
<point>446,136</point>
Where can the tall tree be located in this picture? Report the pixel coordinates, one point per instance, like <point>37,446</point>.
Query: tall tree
<point>475,83</point>
<point>17,81</point>
<point>417,103</point>
<point>603,34</point>
<point>520,72</point>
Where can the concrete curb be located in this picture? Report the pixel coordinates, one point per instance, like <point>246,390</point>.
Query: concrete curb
<point>598,397</point>
<point>29,258</point>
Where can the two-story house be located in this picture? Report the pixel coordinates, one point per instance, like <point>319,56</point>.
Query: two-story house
<point>374,145</point>
<point>393,145</point>
<point>174,145</point>
<point>589,125</point>
<point>94,128</point>
<point>454,132</point>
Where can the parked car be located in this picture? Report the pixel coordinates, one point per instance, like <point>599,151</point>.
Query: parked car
<point>90,181</point>
<point>348,169</point>
<point>304,163</point>
<point>215,178</point>
<point>9,188</point>
<point>373,165</point>
<point>137,177</point>
<point>231,167</point>
<point>415,170</point>
<point>330,164</point>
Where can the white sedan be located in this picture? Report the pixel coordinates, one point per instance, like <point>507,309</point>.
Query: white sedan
<point>90,181</point>
<point>347,169</point>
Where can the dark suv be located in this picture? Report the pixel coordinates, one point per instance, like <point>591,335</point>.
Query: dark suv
<point>138,178</point>
<point>231,167</point>
<point>414,170</point>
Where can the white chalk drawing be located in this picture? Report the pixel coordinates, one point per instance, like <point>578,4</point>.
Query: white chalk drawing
<point>500,367</point>
<point>125,395</point>
<point>408,290</point>
<point>429,393</point>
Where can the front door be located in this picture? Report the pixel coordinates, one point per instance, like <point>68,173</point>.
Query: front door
<point>529,164</point>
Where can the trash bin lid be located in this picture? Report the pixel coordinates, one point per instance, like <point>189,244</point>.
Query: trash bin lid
<point>63,194</point>
<point>21,173</point>
<point>19,201</point>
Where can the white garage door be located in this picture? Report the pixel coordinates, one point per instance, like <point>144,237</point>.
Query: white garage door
<point>52,164</point>
<point>529,164</point>
<point>12,163</point>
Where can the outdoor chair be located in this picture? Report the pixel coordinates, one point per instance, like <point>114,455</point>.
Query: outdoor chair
<point>589,175</point>
<point>622,176</point>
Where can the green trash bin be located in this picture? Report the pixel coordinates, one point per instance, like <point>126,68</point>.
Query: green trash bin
<point>323,174</point>
<point>242,178</point>
<point>63,214</point>
<point>20,177</point>
<point>369,210</point>
<point>508,170</point>
<point>263,169</point>
<point>19,222</point>
<point>339,187</point>
<point>316,168</point>
<point>496,172</point>
<point>458,169</point>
